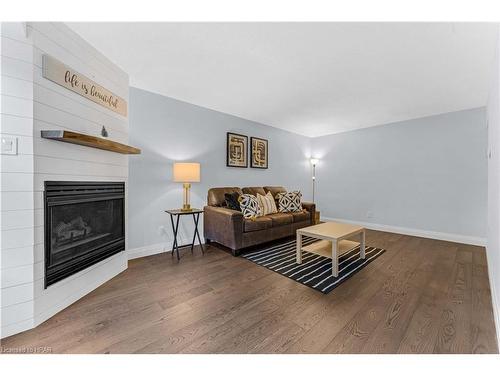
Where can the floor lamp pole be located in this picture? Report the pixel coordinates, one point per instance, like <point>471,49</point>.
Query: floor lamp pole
<point>314,179</point>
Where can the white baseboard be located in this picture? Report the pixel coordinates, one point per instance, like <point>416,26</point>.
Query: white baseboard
<point>157,248</point>
<point>452,237</point>
<point>144,251</point>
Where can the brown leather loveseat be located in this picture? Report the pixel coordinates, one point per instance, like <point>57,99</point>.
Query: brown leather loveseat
<point>229,228</point>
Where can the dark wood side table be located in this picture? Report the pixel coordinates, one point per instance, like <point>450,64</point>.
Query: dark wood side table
<point>175,227</point>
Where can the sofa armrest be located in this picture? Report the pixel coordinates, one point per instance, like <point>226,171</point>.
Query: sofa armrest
<point>223,213</point>
<point>224,226</point>
<point>310,207</point>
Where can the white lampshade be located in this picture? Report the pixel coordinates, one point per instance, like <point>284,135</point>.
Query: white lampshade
<point>186,172</point>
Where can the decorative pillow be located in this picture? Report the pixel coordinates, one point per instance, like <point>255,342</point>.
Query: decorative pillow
<point>249,206</point>
<point>232,201</point>
<point>267,204</point>
<point>290,201</point>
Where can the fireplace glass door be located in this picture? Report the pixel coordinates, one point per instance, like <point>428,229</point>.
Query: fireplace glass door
<point>79,228</point>
<point>84,223</point>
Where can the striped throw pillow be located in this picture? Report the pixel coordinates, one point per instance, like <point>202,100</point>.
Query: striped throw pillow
<point>249,206</point>
<point>267,204</point>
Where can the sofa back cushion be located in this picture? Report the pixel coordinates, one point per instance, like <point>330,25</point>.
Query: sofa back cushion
<point>254,190</point>
<point>216,195</point>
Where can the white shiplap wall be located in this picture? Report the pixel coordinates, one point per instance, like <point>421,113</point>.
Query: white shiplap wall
<point>17,175</point>
<point>54,107</point>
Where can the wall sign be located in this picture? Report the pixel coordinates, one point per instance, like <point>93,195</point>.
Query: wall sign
<point>63,75</point>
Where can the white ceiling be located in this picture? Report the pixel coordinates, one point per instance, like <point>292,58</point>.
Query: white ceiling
<point>309,78</point>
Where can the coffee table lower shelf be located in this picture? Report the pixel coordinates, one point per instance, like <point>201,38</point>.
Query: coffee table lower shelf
<point>324,247</point>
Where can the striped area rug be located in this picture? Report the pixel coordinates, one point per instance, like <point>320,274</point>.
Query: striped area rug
<point>315,270</point>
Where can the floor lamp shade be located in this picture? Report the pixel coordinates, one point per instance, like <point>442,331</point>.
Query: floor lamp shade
<point>186,173</point>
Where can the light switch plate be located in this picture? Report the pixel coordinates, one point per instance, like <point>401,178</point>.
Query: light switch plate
<point>9,145</point>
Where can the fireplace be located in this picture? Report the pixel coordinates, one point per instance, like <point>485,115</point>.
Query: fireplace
<point>84,224</point>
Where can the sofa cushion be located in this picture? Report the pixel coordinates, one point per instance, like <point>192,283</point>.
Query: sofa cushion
<point>259,223</point>
<point>281,219</point>
<point>254,190</point>
<point>216,195</point>
<point>301,216</point>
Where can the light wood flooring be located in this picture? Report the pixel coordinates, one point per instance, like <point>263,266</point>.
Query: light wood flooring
<point>421,296</point>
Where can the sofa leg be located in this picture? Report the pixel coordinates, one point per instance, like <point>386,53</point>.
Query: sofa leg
<point>207,241</point>
<point>235,252</point>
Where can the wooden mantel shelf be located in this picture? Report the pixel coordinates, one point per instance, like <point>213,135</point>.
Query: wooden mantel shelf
<point>89,140</point>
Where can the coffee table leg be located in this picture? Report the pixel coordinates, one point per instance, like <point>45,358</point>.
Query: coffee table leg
<point>299,248</point>
<point>362,245</point>
<point>335,259</point>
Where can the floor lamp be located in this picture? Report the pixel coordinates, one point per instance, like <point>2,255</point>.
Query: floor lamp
<point>313,164</point>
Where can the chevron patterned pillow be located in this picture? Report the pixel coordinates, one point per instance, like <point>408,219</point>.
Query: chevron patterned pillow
<point>290,201</point>
<point>249,206</point>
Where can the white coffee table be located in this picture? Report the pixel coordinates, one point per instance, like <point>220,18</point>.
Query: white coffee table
<point>335,233</point>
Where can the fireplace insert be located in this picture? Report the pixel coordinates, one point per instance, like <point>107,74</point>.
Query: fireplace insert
<point>84,224</point>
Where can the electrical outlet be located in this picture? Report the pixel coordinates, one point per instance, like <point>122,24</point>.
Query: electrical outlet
<point>161,230</point>
<point>9,146</point>
<point>369,214</point>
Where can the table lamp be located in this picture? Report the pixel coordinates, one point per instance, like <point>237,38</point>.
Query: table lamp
<point>186,173</point>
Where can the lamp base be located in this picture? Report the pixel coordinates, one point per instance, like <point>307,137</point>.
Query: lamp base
<point>186,207</point>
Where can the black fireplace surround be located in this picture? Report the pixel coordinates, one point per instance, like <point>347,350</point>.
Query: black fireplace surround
<point>84,224</point>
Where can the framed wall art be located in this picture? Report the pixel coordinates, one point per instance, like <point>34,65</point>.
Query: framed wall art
<point>237,150</point>
<point>259,155</point>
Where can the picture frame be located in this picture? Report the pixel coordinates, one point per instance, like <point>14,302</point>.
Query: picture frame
<point>259,155</point>
<point>236,150</point>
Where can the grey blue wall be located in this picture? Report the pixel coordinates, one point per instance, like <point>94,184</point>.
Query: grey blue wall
<point>428,174</point>
<point>169,130</point>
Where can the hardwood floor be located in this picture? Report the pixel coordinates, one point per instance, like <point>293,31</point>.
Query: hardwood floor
<point>421,296</point>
